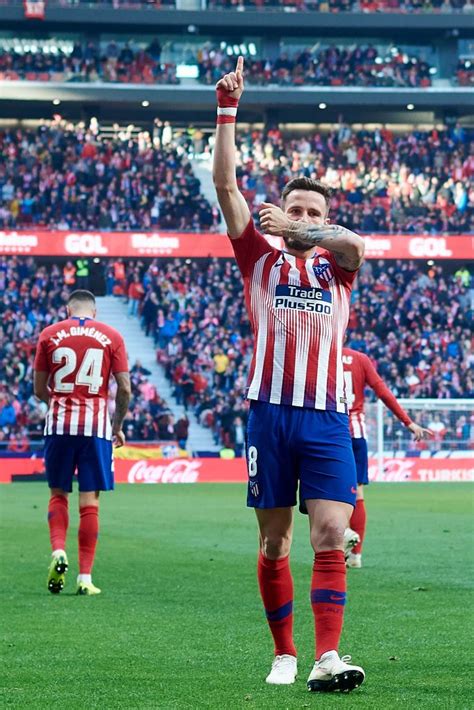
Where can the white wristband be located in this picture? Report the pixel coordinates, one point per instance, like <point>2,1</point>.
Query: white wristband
<point>229,111</point>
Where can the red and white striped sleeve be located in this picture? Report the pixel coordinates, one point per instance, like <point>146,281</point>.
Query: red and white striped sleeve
<point>374,380</point>
<point>249,247</point>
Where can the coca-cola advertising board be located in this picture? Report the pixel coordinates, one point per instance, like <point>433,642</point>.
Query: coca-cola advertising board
<point>215,470</point>
<point>177,244</point>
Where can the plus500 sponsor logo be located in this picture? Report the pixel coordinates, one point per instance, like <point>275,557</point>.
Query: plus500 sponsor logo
<point>429,246</point>
<point>175,472</point>
<point>85,244</point>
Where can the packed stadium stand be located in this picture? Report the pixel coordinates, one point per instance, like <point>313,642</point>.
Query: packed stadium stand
<point>114,134</point>
<point>68,177</point>
<point>194,317</point>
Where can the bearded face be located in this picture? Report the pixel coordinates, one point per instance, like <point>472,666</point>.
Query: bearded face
<point>298,244</point>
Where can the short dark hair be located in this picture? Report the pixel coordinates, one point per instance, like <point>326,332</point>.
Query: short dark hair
<point>81,296</point>
<point>307,183</point>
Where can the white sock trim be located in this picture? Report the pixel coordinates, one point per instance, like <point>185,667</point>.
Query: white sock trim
<point>56,553</point>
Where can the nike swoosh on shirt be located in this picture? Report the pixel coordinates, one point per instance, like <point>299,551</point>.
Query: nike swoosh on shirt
<point>335,598</point>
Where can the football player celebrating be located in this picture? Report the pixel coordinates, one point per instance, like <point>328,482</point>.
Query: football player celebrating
<point>298,431</point>
<point>74,361</point>
<point>359,372</point>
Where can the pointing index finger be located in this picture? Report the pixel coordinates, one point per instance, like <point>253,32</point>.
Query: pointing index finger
<point>240,64</point>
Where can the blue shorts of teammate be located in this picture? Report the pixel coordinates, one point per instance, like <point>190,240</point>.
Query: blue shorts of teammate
<point>359,447</point>
<point>290,445</point>
<point>89,456</point>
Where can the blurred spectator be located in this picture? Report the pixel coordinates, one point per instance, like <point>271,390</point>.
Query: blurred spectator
<point>135,295</point>
<point>465,72</point>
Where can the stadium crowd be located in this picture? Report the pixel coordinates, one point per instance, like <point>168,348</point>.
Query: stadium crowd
<point>90,62</point>
<point>413,182</point>
<point>414,324</point>
<point>195,313</point>
<point>331,66</point>
<point>68,177</point>
<point>125,63</point>
<point>33,297</point>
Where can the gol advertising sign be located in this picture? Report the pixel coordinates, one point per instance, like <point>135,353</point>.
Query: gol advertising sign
<point>179,244</point>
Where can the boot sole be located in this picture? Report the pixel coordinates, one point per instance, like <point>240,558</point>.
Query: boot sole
<point>56,580</point>
<point>340,683</point>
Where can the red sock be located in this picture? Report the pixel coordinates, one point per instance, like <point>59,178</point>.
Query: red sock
<point>88,534</point>
<point>358,522</point>
<point>58,521</point>
<point>328,597</point>
<point>276,589</point>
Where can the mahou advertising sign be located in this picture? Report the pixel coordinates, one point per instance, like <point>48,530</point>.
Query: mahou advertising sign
<point>154,471</point>
<point>179,244</point>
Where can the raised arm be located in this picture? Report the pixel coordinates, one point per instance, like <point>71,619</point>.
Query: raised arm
<point>232,203</point>
<point>347,247</point>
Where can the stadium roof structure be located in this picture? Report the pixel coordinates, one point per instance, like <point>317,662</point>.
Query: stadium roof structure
<point>193,102</point>
<point>265,19</point>
<point>196,103</point>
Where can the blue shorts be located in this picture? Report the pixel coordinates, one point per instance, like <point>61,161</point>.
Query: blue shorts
<point>359,447</point>
<point>90,456</point>
<point>287,445</point>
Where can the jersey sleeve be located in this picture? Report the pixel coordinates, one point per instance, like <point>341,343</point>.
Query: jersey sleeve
<point>41,363</point>
<point>119,360</point>
<point>249,247</point>
<point>374,380</point>
<point>345,277</point>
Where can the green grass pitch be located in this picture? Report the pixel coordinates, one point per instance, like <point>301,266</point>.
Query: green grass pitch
<point>180,624</point>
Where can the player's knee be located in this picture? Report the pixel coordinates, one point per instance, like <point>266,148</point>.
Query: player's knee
<point>275,545</point>
<point>88,498</point>
<point>54,492</point>
<point>329,535</point>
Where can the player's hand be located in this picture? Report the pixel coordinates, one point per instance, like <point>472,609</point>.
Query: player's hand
<point>118,439</point>
<point>233,83</point>
<point>420,432</point>
<point>273,220</point>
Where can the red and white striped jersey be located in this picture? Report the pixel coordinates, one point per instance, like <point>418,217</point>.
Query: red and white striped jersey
<point>298,310</point>
<point>359,372</point>
<point>79,354</point>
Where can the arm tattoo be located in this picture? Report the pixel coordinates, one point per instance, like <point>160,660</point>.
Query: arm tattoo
<point>122,400</point>
<point>336,239</point>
